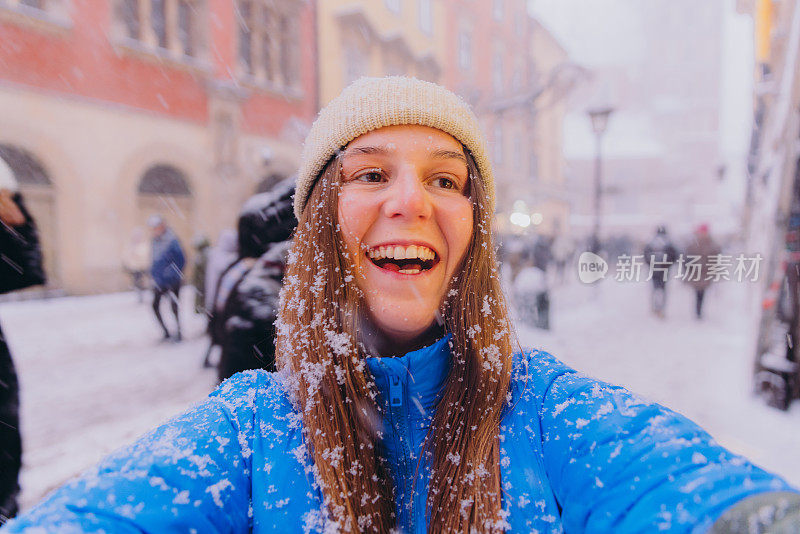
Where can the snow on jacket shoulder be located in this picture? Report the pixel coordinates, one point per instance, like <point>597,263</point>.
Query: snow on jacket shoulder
<point>577,455</point>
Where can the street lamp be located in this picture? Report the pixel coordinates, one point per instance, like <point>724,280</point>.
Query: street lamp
<point>599,117</point>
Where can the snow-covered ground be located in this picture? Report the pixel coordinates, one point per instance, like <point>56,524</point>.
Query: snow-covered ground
<point>94,375</point>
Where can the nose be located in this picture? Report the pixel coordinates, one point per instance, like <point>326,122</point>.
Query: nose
<point>408,197</point>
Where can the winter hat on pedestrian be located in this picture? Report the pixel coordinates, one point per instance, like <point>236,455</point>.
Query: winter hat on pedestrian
<point>371,103</point>
<point>7,179</point>
<point>155,220</point>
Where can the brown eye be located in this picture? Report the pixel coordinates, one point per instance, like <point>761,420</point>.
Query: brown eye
<point>444,183</point>
<point>372,176</point>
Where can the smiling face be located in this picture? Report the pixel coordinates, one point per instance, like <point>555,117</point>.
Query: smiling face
<point>405,215</point>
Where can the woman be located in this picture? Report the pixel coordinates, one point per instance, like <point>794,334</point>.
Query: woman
<point>399,403</point>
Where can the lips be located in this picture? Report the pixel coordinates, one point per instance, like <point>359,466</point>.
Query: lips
<point>404,259</point>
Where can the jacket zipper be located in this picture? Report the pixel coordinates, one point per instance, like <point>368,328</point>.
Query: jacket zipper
<point>396,402</point>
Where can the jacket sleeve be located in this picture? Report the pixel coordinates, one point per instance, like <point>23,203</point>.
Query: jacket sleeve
<point>617,463</point>
<point>189,475</point>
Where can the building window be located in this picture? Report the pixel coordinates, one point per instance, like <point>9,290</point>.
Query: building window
<point>158,19</point>
<point>464,50</point>
<point>129,15</point>
<point>519,72</point>
<point>53,11</point>
<point>498,143</point>
<point>426,16</point>
<point>171,26</point>
<point>288,50</point>
<point>164,180</point>
<point>269,40</point>
<point>393,5</point>
<point>497,10</point>
<point>187,27</point>
<point>25,166</point>
<point>245,16</point>
<point>497,72</point>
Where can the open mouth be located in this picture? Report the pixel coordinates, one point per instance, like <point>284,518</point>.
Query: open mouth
<point>411,259</point>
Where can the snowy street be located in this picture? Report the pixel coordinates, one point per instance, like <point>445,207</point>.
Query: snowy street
<point>94,375</point>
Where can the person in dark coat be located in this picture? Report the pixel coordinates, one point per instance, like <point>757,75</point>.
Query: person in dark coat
<point>660,254</point>
<point>220,258</point>
<point>20,267</point>
<point>700,252</point>
<point>248,290</point>
<point>166,272</point>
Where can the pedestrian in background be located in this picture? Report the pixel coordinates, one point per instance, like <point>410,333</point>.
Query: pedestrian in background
<point>660,253</point>
<point>701,251</point>
<point>562,251</point>
<point>531,294</point>
<point>136,260</point>
<point>166,272</point>
<point>250,308</point>
<point>199,266</point>
<point>20,267</point>
<point>220,258</point>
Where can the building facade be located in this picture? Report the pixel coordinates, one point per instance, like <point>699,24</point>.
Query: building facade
<point>113,110</point>
<point>502,61</point>
<point>378,38</point>
<point>773,200</point>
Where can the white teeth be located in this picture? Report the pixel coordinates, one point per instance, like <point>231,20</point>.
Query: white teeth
<point>401,253</point>
<point>409,271</point>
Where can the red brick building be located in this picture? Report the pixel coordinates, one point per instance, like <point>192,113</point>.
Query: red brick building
<point>111,110</point>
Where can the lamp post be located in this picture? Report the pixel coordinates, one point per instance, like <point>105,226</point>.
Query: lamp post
<point>599,117</point>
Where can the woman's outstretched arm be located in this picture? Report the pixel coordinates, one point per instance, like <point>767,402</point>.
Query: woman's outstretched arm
<point>618,463</point>
<point>191,474</point>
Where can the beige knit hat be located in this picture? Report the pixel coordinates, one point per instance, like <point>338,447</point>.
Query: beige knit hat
<point>371,103</point>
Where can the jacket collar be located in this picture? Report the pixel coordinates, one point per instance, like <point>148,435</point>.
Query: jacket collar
<point>419,374</point>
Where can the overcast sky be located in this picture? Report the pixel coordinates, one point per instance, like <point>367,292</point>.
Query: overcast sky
<point>596,32</point>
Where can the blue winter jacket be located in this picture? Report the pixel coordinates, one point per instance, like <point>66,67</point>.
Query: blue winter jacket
<point>168,261</point>
<point>577,455</point>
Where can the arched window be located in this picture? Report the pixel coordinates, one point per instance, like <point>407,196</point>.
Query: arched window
<point>26,167</point>
<point>164,180</point>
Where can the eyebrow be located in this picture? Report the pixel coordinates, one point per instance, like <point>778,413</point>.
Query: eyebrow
<point>449,154</point>
<point>436,154</point>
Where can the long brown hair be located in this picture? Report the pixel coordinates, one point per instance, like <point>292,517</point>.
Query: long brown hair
<point>319,349</point>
